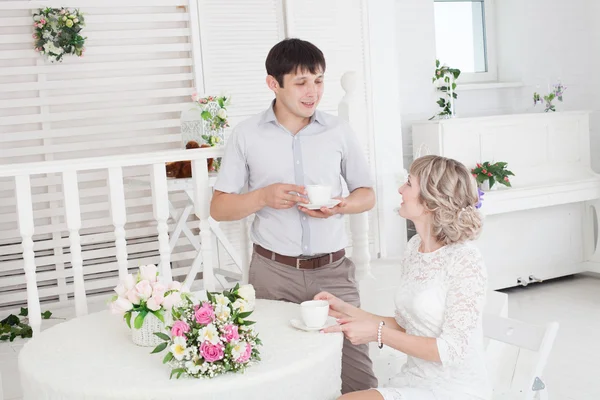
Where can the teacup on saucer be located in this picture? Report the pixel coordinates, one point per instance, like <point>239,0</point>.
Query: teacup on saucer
<point>314,313</point>
<point>318,194</point>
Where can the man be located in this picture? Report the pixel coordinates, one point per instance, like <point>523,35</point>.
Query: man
<point>298,252</point>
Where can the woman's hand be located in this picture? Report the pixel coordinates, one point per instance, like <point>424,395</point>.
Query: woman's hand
<point>357,331</point>
<point>337,308</point>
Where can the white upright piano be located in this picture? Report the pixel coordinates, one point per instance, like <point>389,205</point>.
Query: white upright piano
<point>546,225</point>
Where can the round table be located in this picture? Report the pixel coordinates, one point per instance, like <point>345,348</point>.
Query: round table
<point>93,358</point>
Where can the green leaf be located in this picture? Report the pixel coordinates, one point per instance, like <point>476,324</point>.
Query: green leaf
<point>163,336</point>
<point>24,312</point>
<point>168,358</point>
<point>210,297</point>
<point>159,348</point>
<point>10,320</point>
<point>221,103</point>
<point>158,314</point>
<point>245,314</point>
<point>206,115</point>
<point>139,320</point>
<point>4,338</point>
<point>127,317</point>
<point>178,371</point>
<point>249,323</point>
<point>46,315</point>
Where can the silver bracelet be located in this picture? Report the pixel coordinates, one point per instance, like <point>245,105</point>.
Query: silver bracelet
<point>379,342</point>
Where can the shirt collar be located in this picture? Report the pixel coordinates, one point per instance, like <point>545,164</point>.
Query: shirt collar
<point>269,116</point>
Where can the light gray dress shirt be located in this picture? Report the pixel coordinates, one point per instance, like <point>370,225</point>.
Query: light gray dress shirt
<point>260,152</point>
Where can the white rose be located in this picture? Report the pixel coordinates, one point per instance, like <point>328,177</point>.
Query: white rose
<point>143,290</point>
<point>128,282</point>
<point>171,300</point>
<point>174,285</point>
<point>148,272</point>
<point>133,296</point>
<point>120,306</point>
<point>222,114</point>
<point>121,290</point>
<point>76,20</point>
<point>247,293</point>
<point>158,288</point>
<point>154,303</point>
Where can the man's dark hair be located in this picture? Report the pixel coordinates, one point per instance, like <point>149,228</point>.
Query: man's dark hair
<point>289,55</point>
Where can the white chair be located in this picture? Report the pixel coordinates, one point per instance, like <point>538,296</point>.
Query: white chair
<point>516,372</point>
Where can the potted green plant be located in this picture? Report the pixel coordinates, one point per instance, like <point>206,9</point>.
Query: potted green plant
<point>488,174</point>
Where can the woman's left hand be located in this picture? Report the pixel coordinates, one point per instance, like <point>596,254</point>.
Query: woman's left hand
<point>357,331</point>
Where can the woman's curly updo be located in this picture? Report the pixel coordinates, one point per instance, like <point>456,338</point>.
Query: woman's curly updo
<point>450,193</point>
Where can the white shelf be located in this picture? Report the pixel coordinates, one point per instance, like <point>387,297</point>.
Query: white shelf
<point>488,85</point>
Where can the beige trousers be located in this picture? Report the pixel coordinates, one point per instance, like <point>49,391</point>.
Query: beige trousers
<point>276,281</point>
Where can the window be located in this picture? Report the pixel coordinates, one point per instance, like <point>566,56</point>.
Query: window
<point>464,35</point>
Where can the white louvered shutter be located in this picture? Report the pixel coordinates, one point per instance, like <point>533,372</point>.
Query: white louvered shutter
<point>124,96</point>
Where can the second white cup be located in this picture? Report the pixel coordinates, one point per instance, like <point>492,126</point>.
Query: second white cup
<point>314,313</point>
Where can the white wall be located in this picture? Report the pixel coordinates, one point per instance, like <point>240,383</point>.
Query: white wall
<point>538,42</point>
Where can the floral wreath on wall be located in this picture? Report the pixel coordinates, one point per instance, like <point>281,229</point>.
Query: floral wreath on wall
<point>57,32</point>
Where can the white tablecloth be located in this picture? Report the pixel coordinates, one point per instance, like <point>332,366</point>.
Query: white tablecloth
<point>93,358</point>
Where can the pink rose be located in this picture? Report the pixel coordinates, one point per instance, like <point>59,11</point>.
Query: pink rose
<point>205,314</point>
<point>246,355</point>
<point>179,328</point>
<point>231,333</point>
<point>211,352</point>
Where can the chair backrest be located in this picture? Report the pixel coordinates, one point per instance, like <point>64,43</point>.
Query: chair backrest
<point>518,369</point>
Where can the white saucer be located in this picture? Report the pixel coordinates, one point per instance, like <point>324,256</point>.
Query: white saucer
<point>299,324</point>
<point>329,204</point>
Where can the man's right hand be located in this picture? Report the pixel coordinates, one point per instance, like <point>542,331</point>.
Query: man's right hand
<point>283,196</point>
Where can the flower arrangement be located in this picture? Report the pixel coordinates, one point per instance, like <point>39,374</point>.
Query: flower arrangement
<point>556,93</point>
<point>57,32</point>
<point>213,337</point>
<point>144,294</point>
<point>445,78</point>
<point>492,173</point>
<point>213,111</point>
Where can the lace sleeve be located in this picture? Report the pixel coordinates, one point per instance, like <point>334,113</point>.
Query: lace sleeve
<point>467,281</point>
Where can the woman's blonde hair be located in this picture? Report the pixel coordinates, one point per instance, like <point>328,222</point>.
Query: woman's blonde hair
<point>450,193</point>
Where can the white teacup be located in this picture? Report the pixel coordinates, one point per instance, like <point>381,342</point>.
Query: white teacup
<point>318,194</point>
<point>314,313</point>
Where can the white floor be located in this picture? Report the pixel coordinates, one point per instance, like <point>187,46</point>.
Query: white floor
<point>573,371</point>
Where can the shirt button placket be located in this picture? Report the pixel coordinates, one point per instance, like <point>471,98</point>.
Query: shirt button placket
<point>299,175</point>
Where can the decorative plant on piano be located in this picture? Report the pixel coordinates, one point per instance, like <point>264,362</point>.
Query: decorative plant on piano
<point>489,173</point>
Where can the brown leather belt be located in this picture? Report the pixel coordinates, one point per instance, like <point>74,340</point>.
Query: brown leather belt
<point>301,263</point>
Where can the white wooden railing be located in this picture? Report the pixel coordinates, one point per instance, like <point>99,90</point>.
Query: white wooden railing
<point>114,165</point>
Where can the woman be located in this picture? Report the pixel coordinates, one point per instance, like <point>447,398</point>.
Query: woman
<point>440,300</point>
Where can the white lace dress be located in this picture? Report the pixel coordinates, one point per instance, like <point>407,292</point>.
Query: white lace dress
<point>442,295</point>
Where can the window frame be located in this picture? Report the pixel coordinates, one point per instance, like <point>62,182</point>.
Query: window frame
<point>491,75</point>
